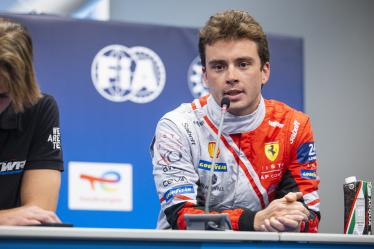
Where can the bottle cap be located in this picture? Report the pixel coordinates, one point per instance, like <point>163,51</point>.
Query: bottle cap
<point>350,179</point>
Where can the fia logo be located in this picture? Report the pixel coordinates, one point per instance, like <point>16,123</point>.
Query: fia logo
<point>195,79</point>
<point>120,74</point>
<point>272,150</point>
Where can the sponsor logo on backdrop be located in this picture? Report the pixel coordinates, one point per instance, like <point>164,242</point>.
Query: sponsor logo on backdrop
<point>108,181</point>
<point>100,186</point>
<point>195,79</point>
<point>134,74</point>
<point>272,150</point>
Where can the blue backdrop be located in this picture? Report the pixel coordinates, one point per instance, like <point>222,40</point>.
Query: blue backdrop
<point>95,129</point>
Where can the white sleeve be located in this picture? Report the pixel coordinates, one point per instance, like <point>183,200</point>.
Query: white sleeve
<point>174,173</point>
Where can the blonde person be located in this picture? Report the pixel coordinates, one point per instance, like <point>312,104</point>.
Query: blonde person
<point>30,148</point>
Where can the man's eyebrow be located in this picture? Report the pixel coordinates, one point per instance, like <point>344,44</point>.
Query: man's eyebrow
<point>212,62</point>
<point>245,58</point>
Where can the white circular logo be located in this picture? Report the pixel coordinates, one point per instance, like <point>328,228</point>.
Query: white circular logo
<point>195,79</point>
<point>120,74</point>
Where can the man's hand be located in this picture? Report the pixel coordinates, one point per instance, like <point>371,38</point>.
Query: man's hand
<point>27,215</point>
<point>285,214</point>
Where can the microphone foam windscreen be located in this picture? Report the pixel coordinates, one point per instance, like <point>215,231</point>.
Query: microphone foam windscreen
<point>225,101</point>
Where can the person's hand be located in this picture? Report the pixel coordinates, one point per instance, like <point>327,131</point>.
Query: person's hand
<point>287,223</point>
<point>27,215</point>
<point>285,214</point>
<point>291,196</point>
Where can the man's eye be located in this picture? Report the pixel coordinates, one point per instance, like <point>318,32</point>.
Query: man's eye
<point>243,64</point>
<point>218,67</point>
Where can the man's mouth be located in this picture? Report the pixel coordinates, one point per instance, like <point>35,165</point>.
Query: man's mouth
<point>232,92</point>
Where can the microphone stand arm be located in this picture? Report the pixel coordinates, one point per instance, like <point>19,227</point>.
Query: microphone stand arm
<point>213,165</point>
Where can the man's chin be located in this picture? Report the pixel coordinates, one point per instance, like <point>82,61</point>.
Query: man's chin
<point>235,110</point>
<point>239,109</point>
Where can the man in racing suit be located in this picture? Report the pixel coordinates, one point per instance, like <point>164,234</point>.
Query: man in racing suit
<point>265,172</point>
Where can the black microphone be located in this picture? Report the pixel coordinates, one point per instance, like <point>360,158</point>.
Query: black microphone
<point>225,103</point>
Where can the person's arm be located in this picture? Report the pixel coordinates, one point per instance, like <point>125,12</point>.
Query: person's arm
<point>281,215</point>
<point>27,215</point>
<point>301,176</point>
<point>41,180</point>
<point>39,194</point>
<point>40,187</point>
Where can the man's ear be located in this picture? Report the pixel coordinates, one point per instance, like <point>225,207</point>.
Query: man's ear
<point>265,73</point>
<point>205,78</point>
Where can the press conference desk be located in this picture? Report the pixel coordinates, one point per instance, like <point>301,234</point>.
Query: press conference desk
<point>45,237</point>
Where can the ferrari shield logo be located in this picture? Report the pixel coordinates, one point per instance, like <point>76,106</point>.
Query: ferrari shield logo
<point>272,150</point>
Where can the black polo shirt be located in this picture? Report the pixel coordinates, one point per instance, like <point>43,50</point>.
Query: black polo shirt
<point>28,140</point>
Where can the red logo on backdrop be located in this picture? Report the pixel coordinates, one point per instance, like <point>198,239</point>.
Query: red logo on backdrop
<point>106,181</point>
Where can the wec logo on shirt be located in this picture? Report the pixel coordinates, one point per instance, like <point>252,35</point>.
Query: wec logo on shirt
<point>12,167</point>
<point>306,153</point>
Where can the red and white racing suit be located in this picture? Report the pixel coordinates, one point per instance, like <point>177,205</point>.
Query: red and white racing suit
<point>262,157</point>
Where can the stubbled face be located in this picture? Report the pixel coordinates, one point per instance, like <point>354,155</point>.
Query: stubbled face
<point>233,70</point>
<point>4,98</point>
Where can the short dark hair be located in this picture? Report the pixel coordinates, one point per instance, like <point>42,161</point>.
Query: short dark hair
<point>233,24</point>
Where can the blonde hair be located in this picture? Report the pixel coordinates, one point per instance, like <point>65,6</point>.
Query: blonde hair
<point>232,25</point>
<point>16,65</point>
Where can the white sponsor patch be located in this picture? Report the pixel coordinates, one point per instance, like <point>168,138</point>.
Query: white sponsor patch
<point>295,129</point>
<point>275,124</point>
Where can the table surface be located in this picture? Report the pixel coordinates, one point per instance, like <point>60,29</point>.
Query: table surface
<point>12,232</point>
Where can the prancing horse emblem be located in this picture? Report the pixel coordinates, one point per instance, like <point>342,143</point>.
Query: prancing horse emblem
<point>272,150</point>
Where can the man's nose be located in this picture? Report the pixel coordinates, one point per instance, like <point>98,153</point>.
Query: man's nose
<point>231,77</point>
